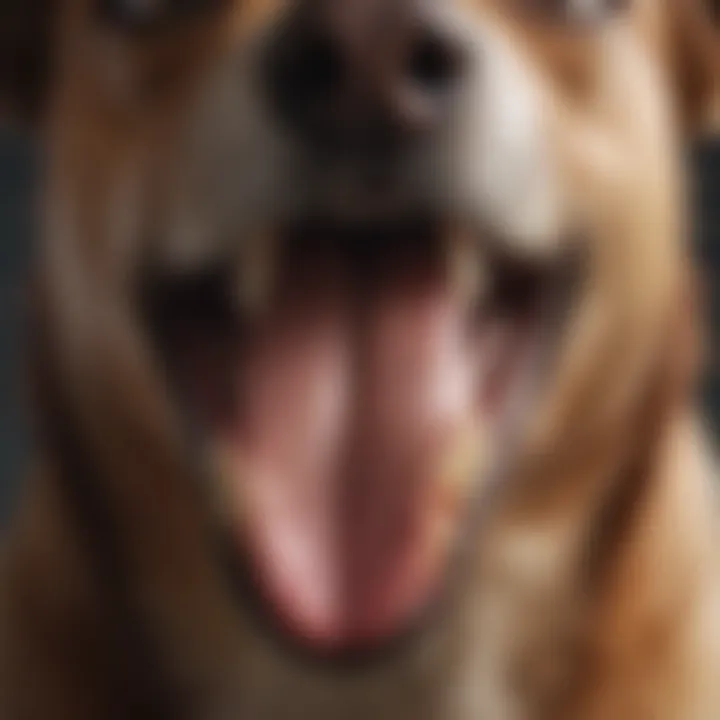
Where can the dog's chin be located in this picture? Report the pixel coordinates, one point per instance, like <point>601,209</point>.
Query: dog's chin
<point>357,418</point>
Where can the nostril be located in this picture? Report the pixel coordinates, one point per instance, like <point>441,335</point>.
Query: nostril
<point>434,63</point>
<point>305,73</point>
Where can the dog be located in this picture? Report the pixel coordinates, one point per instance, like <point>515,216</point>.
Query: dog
<point>363,344</point>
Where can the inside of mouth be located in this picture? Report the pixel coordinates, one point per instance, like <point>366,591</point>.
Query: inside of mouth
<point>349,418</point>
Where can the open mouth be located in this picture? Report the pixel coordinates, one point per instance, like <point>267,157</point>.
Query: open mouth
<point>353,421</point>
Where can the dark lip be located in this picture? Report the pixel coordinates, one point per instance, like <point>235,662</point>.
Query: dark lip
<point>554,283</point>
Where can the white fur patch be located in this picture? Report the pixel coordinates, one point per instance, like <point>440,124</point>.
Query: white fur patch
<point>498,164</point>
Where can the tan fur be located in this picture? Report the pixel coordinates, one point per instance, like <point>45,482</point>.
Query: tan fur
<point>591,594</point>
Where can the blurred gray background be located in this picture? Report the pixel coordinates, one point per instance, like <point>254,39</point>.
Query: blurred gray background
<point>18,169</point>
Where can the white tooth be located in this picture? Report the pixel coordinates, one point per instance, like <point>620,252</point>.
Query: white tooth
<point>255,277</point>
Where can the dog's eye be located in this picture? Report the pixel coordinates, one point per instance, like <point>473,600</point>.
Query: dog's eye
<point>139,16</point>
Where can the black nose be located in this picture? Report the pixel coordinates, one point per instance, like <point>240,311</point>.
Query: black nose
<point>361,72</point>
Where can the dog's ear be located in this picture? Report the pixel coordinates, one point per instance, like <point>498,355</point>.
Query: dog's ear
<point>694,33</point>
<point>27,29</point>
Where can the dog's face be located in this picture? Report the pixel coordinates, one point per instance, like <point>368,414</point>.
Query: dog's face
<point>384,251</point>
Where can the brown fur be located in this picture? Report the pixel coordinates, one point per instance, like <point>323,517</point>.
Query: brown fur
<point>593,590</point>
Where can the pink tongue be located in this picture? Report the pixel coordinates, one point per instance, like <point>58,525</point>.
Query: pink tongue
<point>345,409</point>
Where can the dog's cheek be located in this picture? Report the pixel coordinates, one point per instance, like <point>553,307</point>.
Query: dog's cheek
<point>503,154</point>
<point>714,14</point>
<point>694,28</point>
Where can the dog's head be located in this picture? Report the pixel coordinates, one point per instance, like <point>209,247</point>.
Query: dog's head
<point>397,259</point>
